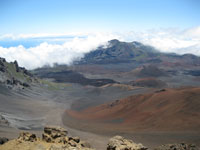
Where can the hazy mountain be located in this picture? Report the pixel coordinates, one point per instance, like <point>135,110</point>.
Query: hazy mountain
<point>126,52</point>
<point>119,52</point>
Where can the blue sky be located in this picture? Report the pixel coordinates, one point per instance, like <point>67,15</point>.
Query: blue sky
<point>58,16</point>
<point>60,31</point>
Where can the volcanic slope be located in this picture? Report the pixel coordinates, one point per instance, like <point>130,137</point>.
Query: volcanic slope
<point>163,110</point>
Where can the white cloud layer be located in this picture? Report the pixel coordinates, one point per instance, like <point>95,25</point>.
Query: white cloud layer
<point>45,53</point>
<point>170,40</point>
<point>165,40</point>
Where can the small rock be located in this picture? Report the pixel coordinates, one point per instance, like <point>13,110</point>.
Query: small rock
<point>85,144</point>
<point>72,143</point>
<point>75,139</point>
<point>3,140</point>
<point>25,85</point>
<point>46,138</point>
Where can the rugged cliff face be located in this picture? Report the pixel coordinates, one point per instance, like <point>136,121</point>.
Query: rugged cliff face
<point>13,76</point>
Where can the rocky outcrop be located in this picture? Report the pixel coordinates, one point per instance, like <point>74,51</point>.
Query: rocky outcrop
<point>53,138</point>
<point>26,136</point>
<point>181,146</point>
<point>16,66</point>
<point>59,135</point>
<point>13,76</point>
<point>120,143</point>
<point>54,134</point>
<point>15,82</point>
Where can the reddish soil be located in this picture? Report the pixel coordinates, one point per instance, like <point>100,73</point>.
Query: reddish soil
<point>164,110</point>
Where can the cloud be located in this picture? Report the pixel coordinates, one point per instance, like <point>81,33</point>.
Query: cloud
<point>46,53</point>
<point>75,45</point>
<point>169,40</point>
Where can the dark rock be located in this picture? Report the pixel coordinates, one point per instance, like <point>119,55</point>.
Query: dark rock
<point>3,140</point>
<point>28,73</point>
<point>2,69</point>
<point>15,81</point>
<point>26,136</point>
<point>1,63</point>
<point>75,139</point>
<point>47,138</point>
<point>9,82</point>
<point>25,85</point>
<point>161,90</point>
<point>16,66</point>
<point>25,71</point>
<point>72,143</point>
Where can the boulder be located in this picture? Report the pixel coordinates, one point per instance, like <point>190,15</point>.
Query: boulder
<point>3,140</point>
<point>85,144</point>
<point>120,143</point>
<point>26,136</point>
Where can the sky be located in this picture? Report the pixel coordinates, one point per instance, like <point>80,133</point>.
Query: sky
<point>40,29</point>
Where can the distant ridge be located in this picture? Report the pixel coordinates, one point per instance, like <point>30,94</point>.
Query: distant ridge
<point>135,52</point>
<point>118,52</point>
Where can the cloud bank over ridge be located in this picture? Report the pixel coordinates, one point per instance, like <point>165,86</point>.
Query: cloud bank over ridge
<point>65,48</point>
